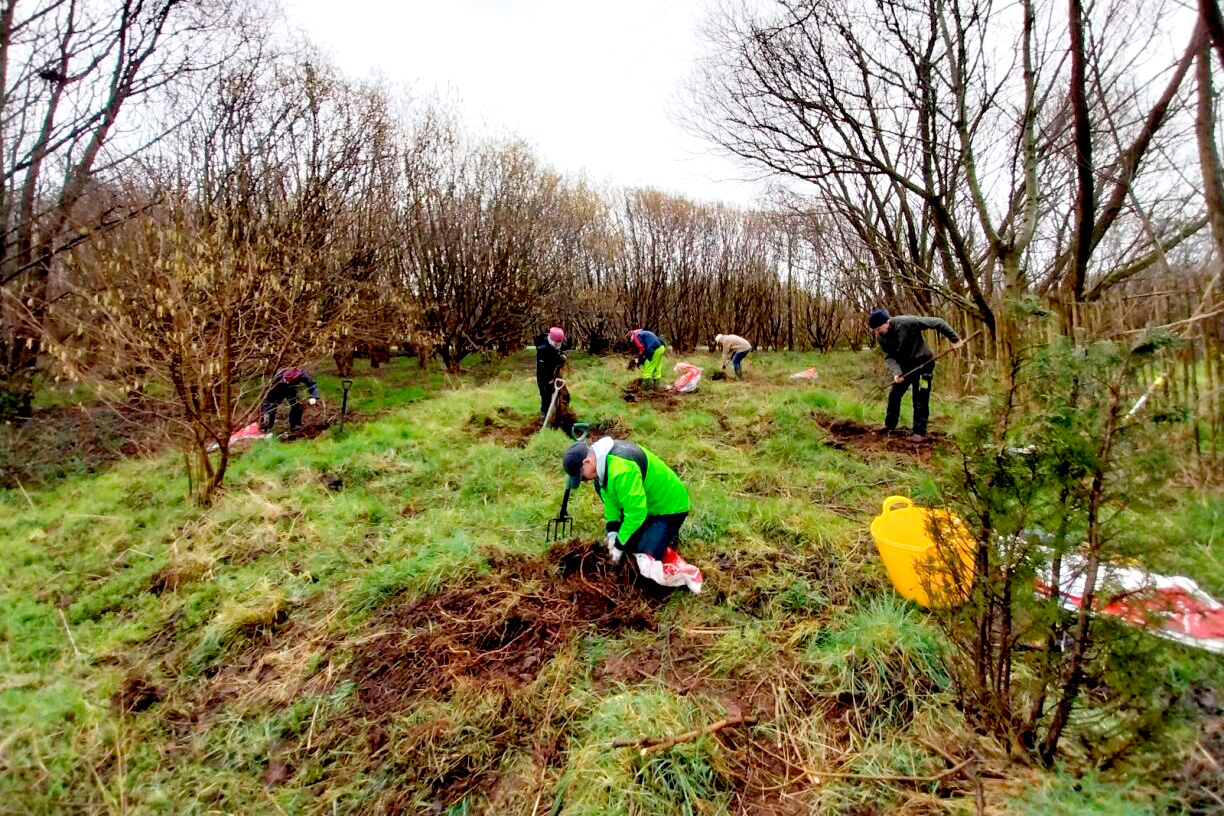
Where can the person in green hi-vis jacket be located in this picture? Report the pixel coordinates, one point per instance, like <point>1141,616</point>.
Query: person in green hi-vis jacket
<point>650,351</point>
<point>645,504</point>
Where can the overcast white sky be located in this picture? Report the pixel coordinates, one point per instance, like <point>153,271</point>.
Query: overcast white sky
<point>594,86</point>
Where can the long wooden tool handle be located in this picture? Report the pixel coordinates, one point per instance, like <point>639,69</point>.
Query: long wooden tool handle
<point>558,384</point>
<point>941,354</point>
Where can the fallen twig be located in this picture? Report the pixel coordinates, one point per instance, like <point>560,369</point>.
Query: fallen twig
<point>24,493</point>
<point>653,745</point>
<point>891,777</point>
<point>68,632</point>
<point>980,770</point>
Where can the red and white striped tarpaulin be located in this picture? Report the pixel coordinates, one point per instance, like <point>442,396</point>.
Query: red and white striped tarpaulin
<point>1172,607</point>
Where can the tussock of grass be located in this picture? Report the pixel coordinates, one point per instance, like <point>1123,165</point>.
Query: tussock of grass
<point>599,779</point>
<point>452,560</point>
<point>883,663</point>
<point>262,609</point>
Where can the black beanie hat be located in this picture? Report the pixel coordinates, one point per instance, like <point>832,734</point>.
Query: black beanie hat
<point>572,462</point>
<point>878,318</point>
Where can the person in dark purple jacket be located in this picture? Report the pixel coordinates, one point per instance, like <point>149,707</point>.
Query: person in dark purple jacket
<point>650,350</point>
<point>285,389</point>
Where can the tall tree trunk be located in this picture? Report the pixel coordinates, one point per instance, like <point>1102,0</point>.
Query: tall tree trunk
<point>1085,201</point>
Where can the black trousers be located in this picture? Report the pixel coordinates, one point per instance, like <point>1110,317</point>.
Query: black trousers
<point>656,534</point>
<point>546,393</point>
<point>276,395</point>
<point>920,382</point>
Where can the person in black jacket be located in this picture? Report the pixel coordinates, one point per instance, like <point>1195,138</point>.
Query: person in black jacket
<point>911,362</point>
<point>550,356</point>
<point>285,388</point>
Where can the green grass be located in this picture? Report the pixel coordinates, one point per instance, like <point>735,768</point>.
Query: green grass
<point>1089,796</point>
<point>246,616</point>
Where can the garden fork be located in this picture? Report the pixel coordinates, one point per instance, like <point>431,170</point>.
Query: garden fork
<point>562,527</point>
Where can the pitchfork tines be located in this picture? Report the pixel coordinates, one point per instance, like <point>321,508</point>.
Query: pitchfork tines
<point>562,527</point>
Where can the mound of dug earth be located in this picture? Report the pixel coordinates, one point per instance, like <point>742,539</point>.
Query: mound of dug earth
<point>307,430</point>
<point>659,398</point>
<point>446,684</point>
<point>500,630</point>
<point>846,434</point>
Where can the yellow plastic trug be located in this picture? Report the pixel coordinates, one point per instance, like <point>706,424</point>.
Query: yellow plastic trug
<point>930,572</point>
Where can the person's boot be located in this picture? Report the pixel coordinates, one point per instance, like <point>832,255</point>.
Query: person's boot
<point>916,438</point>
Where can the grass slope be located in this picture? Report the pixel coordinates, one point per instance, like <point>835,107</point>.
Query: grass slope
<point>374,623</point>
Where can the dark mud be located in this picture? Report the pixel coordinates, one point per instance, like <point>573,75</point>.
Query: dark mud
<point>846,434</point>
<point>308,430</point>
<point>135,694</point>
<point>657,398</point>
<point>500,630</point>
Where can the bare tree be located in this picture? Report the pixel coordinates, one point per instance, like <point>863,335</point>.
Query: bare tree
<point>478,225</point>
<point>265,234</point>
<point>71,69</point>
<point>945,152</point>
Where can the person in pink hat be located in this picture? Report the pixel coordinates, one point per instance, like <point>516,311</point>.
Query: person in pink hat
<point>550,356</point>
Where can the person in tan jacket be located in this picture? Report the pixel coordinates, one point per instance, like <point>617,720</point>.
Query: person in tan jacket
<point>735,349</point>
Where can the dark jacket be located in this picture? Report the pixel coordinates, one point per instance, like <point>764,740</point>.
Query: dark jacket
<point>646,342</point>
<point>548,359</point>
<point>904,346</point>
<point>291,378</point>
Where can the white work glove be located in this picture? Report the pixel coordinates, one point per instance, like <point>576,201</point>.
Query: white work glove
<point>312,401</point>
<point>614,552</point>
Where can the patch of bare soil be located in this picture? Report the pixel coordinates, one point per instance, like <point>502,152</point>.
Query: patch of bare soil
<point>487,641</point>
<point>505,427</point>
<point>656,398</point>
<point>307,430</point>
<point>846,434</point>
<point>135,694</point>
<point>500,630</point>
